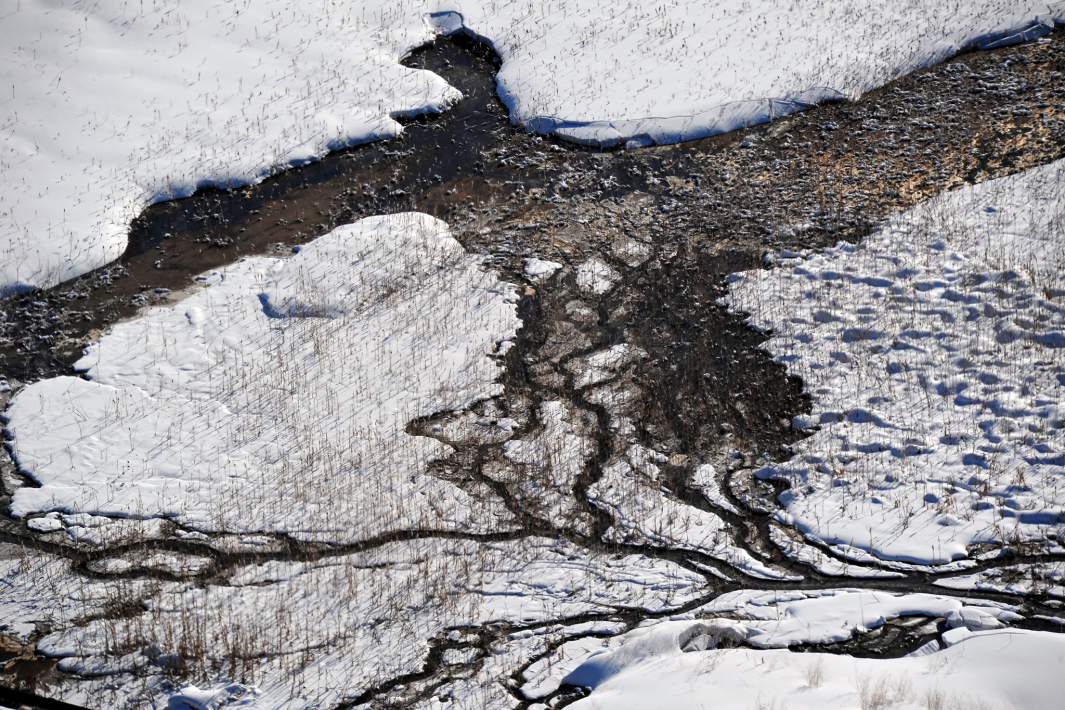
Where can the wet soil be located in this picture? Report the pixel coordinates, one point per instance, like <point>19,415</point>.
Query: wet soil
<point>671,221</point>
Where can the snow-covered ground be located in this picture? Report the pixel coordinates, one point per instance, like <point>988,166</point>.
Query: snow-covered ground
<point>1046,578</point>
<point>313,634</point>
<point>781,618</point>
<point>112,105</point>
<point>38,590</point>
<point>934,352</point>
<point>631,489</point>
<point>297,350</point>
<point>660,72</point>
<point>688,660</point>
<point>275,397</point>
<point>665,666</point>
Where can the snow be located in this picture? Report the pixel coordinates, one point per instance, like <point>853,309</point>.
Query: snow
<point>45,524</point>
<point>642,73</point>
<point>537,270</point>
<point>933,352</point>
<point>276,398</point>
<point>783,618</point>
<point>178,565</point>
<point>704,478</point>
<point>545,675</point>
<point>780,619</point>
<point>602,365</point>
<point>314,634</point>
<point>595,276</point>
<point>110,106</point>
<point>1040,578</point>
<point>217,696</point>
<point>819,560</point>
<point>996,669</point>
<point>491,685</point>
<point>689,659</point>
<point>631,489</point>
<point>41,591</point>
<point>549,463</point>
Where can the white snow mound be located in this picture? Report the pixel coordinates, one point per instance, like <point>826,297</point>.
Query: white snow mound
<point>990,669</point>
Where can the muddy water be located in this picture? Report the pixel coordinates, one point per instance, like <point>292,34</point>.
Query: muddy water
<point>672,221</point>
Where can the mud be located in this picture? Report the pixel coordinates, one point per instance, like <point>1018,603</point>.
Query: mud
<point>671,221</point>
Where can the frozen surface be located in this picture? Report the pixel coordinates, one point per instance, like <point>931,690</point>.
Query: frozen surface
<point>934,352</point>
<point>113,105</point>
<point>988,669</point>
<point>276,397</point>
<point>683,662</point>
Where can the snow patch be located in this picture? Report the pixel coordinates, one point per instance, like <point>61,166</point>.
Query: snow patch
<point>282,405</point>
<point>596,276</point>
<point>933,352</point>
<point>537,270</point>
